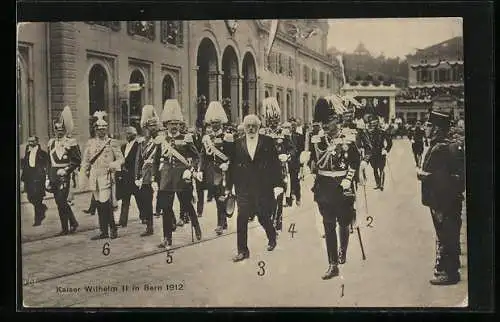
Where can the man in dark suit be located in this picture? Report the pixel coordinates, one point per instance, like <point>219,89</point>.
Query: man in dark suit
<point>255,171</point>
<point>296,162</point>
<point>443,184</point>
<point>34,169</point>
<point>129,175</point>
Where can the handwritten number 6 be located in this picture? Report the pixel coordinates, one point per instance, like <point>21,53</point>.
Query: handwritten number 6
<point>105,249</point>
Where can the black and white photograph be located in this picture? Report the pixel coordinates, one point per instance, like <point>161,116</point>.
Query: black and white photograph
<point>242,163</point>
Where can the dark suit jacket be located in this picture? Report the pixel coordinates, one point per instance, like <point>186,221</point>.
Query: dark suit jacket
<point>34,178</point>
<point>254,180</point>
<point>298,141</point>
<point>130,167</point>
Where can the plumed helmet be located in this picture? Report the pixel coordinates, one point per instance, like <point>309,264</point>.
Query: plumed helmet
<point>271,108</point>
<point>323,113</point>
<point>149,116</point>
<point>65,121</point>
<point>215,112</point>
<point>172,111</point>
<point>100,122</point>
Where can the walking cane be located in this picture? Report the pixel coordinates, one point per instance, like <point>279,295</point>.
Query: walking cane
<point>361,243</point>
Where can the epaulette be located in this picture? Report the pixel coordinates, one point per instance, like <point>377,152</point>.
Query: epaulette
<point>140,139</point>
<point>159,139</point>
<point>262,131</point>
<point>50,142</point>
<point>316,138</point>
<point>229,137</point>
<point>115,143</point>
<point>188,138</point>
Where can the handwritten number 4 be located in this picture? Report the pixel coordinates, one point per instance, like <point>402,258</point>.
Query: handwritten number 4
<point>370,220</point>
<point>292,230</point>
<point>105,249</point>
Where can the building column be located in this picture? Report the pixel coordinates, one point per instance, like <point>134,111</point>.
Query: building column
<point>252,96</point>
<point>235,96</point>
<point>392,107</point>
<point>63,72</point>
<point>214,86</point>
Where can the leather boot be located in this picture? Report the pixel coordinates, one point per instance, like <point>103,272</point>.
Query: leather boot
<point>333,270</point>
<point>344,241</point>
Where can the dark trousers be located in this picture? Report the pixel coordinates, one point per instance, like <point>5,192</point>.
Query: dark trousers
<point>166,200</point>
<point>130,191</point>
<point>244,213</point>
<point>295,183</point>
<point>200,192</point>
<point>447,226</point>
<point>378,165</point>
<point>106,219</point>
<point>144,199</point>
<point>277,215</point>
<point>221,205</point>
<point>65,213</point>
<point>93,205</point>
<point>39,207</point>
<point>331,215</point>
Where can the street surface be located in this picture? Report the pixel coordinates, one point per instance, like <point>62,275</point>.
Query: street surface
<point>398,239</point>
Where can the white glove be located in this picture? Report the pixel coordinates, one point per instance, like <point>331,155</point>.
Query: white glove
<point>384,152</point>
<point>199,176</point>
<point>186,175</point>
<point>138,183</point>
<point>412,141</point>
<point>224,166</point>
<point>278,191</point>
<point>304,157</point>
<point>346,184</point>
<point>363,164</point>
<point>47,184</point>
<point>316,139</point>
<point>154,185</point>
<point>283,157</point>
<point>61,172</point>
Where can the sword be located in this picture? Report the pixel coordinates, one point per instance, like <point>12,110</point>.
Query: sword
<point>361,243</point>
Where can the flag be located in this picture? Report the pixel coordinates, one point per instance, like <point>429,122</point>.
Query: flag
<point>341,61</point>
<point>310,33</point>
<point>272,35</point>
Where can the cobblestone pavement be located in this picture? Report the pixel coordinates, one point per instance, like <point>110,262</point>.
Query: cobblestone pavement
<point>399,246</point>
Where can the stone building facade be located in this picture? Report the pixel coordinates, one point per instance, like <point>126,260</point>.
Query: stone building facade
<point>119,66</point>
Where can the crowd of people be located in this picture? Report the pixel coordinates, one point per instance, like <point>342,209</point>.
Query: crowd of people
<point>256,166</point>
<point>428,93</point>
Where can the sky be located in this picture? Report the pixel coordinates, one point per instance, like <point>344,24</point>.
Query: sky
<point>394,37</point>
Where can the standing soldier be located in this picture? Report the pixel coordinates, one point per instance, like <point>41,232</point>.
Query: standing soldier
<point>376,144</point>
<point>285,149</point>
<point>65,158</point>
<point>101,160</point>
<point>297,159</point>
<point>200,186</point>
<point>93,204</point>
<point>417,139</point>
<point>337,160</point>
<point>214,159</point>
<point>175,171</point>
<point>148,149</point>
<point>443,184</point>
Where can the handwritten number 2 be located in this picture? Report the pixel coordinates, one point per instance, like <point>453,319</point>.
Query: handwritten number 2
<point>370,220</point>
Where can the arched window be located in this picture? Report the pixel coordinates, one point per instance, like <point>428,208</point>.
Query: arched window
<point>168,88</point>
<point>266,94</point>
<point>137,98</point>
<point>98,89</point>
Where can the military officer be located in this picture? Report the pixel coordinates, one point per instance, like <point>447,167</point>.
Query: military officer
<point>102,158</point>
<point>376,144</point>
<point>214,159</point>
<point>337,160</point>
<point>146,171</point>
<point>175,171</point>
<point>443,183</point>
<point>285,148</point>
<point>65,157</point>
<point>417,138</point>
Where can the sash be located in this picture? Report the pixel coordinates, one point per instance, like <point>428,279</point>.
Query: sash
<point>149,153</point>
<point>175,153</point>
<point>212,149</point>
<point>94,158</point>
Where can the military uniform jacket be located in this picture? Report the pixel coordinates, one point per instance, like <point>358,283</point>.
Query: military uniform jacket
<point>65,154</point>
<point>336,159</point>
<point>298,141</point>
<point>169,169</point>
<point>149,147</point>
<point>444,186</point>
<point>212,159</point>
<point>100,177</point>
<point>283,144</point>
<point>373,143</point>
<point>417,134</point>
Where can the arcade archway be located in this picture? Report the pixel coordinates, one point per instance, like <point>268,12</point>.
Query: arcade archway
<point>249,83</point>
<point>137,98</point>
<point>98,89</point>
<point>168,88</point>
<point>230,81</point>
<point>207,75</point>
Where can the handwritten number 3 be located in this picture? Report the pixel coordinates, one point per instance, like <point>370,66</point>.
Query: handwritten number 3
<point>261,271</point>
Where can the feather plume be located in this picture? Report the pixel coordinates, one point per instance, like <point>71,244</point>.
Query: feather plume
<point>67,119</point>
<point>171,111</point>
<point>215,112</point>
